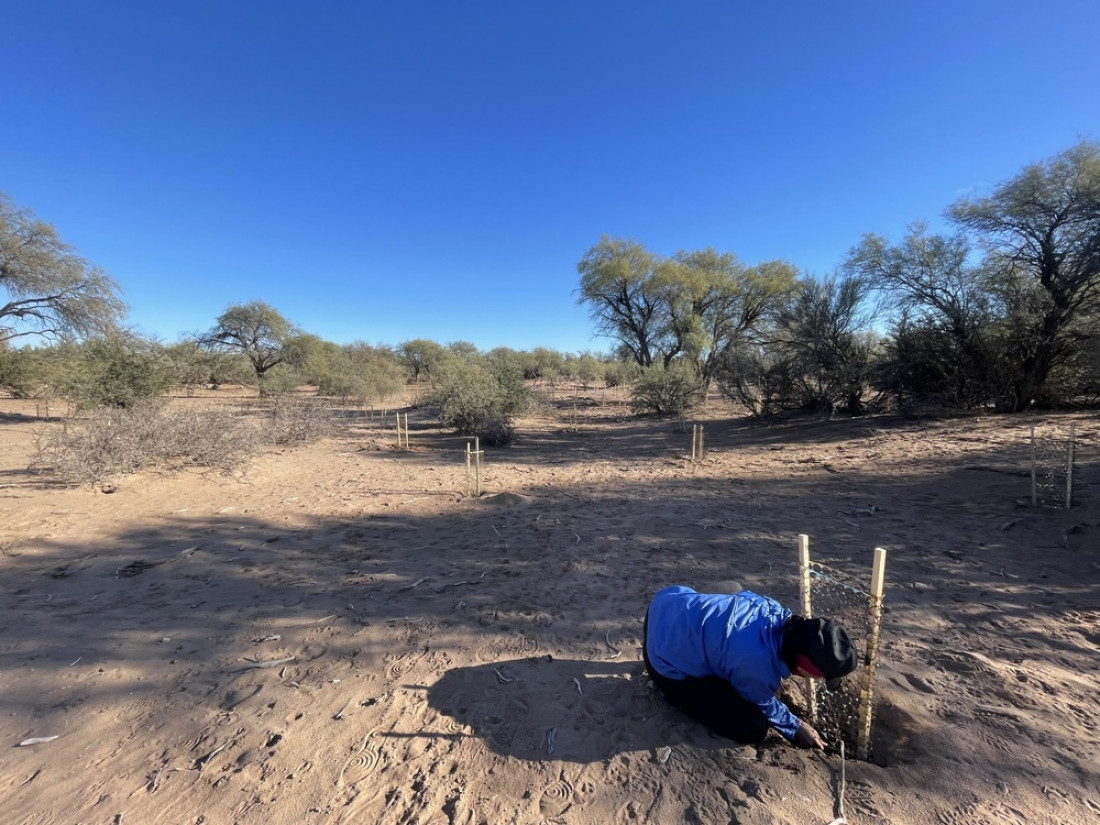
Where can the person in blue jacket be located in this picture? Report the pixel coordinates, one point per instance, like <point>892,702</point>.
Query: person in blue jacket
<point>720,659</point>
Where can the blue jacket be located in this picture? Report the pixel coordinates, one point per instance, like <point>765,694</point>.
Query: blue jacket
<point>736,638</point>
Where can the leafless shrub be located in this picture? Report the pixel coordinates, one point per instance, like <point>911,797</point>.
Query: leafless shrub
<point>296,420</point>
<point>115,441</point>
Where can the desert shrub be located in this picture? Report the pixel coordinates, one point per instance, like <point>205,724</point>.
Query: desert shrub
<point>280,380</point>
<point>474,398</point>
<point>296,420</point>
<point>115,441</point>
<point>362,372</point>
<point>20,373</point>
<point>497,431</point>
<point>618,373</point>
<point>587,370</point>
<point>666,391</point>
<point>107,372</point>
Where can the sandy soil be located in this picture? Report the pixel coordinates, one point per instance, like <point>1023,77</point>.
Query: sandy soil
<point>342,636</point>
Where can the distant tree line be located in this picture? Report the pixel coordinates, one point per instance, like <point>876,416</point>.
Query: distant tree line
<point>1001,313</point>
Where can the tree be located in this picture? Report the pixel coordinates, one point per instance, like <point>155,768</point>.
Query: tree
<point>51,290</point>
<point>714,302</point>
<point>377,371</point>
<point>1041,231</point>
<point>256,330</point>
<point>587,369</point>
<point>421,356</point>
<point>825,335</point>
<point>617,284</point>
<point>942,309</point>
<point>695,304</point>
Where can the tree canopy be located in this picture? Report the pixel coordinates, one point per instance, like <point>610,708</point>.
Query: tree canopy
<point>694,305</point>
<point>1041,233</point>
<point>51,290</point>
<point>255,329</point>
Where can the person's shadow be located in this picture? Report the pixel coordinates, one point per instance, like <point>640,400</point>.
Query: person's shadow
<point>540,708</point>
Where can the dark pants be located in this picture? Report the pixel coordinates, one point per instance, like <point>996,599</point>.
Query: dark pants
<point>711,701</point>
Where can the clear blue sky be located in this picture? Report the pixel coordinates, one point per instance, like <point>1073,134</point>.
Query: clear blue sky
<point>388,171</point>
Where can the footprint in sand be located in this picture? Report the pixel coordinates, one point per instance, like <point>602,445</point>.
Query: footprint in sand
<point>492,652</point>
<point>557,798</point>
<point>361,765</point>
<point>400,665</point>
<point>984,813</point>
<point>358,768</point>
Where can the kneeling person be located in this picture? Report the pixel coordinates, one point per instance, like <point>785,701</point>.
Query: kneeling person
<point>720,659</point>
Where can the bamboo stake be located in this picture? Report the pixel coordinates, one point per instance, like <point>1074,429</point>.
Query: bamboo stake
<point>874,621</point>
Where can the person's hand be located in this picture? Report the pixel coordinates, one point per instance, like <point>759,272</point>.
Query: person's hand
<point>807,737</point>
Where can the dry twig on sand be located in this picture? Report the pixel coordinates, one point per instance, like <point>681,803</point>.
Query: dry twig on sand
<point>264,664</point>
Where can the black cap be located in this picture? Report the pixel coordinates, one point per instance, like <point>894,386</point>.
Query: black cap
<point>825,643</point>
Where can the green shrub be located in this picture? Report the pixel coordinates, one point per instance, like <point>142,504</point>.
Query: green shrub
<point>107,372</point>
<point>475,399</point>
<point>666,391</point>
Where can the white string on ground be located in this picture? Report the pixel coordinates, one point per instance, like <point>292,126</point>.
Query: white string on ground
<point>841,820</point>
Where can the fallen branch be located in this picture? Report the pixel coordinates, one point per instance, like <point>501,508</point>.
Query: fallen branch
<point>470,581</point>
<point>264,664</point>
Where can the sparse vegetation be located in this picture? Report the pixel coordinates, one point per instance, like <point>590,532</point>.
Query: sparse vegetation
<point>296,420</point>
<point>116,441</point>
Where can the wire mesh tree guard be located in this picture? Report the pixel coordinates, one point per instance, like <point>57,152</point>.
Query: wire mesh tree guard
<point>845,715</point>
<point>697,451</point>
<point>473,468</point>
<point>1052,465</point>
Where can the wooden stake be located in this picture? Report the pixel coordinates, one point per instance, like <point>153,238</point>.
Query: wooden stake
<point>477,467</point>
<point>874,624</point>
<point>473,469</point>
<point>1069,465</point>
<point>807,610</point>
<point>1034,481</point>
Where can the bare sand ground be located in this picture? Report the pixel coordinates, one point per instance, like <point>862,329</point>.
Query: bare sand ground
<point>342,636</point>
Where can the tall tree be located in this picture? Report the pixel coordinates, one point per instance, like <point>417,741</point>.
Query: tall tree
<point>51,290</point>
<point>825,332</point>
<point>715,302</point>
<point>421,355</point>
<point>694,305</point>
<point>255,329</point>
<point>941,311</point>
<point>1041,231</point>
<point>617,284</point>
